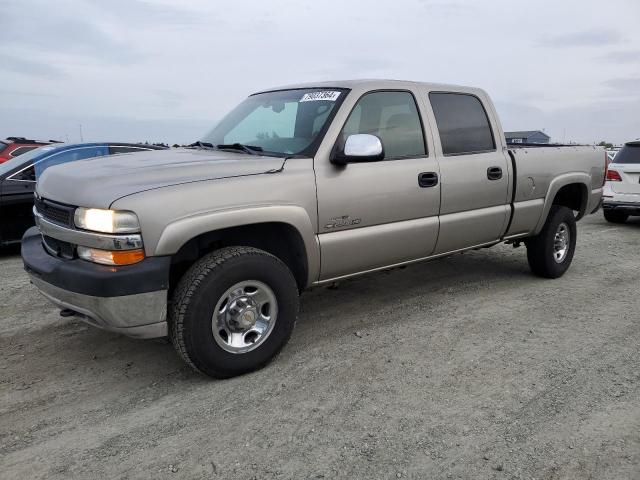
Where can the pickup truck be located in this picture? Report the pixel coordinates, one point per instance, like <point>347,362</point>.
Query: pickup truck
<point>296,187</point>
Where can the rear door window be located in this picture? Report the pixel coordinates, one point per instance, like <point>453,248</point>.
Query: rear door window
<point>462,122</point>
<point>630,153</point>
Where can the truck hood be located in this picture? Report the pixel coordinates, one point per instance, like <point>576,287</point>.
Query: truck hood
<point>98,182</point>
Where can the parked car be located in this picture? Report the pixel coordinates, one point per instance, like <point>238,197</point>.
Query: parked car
<point>621,196</point>
<point>212,245</point>
<point>15,146</point>
<point>18,177</point>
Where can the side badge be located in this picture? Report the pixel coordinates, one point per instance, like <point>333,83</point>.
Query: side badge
<point>343,221</point>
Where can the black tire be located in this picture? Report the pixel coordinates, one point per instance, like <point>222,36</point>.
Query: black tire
<point>615,217</point>
<point>195,299</point>
<point>540,249</point>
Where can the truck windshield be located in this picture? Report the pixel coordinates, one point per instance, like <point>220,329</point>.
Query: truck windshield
<point>630,153</point>
<point>281,123</point>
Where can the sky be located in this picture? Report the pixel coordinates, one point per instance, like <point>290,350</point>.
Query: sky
<point>167,71</point>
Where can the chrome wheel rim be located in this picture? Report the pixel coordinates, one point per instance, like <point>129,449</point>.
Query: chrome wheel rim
<point>561,243</point>
<point>244,316</point>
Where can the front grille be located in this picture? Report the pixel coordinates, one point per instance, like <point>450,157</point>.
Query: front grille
<point>55,212</point>
<point>58,248</point>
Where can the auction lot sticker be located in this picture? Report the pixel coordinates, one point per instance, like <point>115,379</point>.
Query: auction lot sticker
<point>316,96</point>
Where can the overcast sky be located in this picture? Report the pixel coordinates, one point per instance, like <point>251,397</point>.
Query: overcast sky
<point>133,70</point>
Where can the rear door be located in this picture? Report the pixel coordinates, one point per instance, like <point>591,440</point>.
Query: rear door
<point>474,172</point>
<point>627,164</point>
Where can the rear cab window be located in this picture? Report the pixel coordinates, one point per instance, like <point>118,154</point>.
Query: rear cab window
<point>629,154</point>
<point>3,146</point>
<point>463,123</point>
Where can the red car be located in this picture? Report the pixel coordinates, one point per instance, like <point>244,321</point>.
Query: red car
<point>14,146</point>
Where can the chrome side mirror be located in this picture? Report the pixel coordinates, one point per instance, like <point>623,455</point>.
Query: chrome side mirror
<point>360,147</point>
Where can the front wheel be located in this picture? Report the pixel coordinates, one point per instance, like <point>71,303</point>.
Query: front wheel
<point>233,311</point>
<point>551,251</point>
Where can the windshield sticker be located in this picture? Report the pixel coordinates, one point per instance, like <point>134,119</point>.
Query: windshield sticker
<point>317,96</point>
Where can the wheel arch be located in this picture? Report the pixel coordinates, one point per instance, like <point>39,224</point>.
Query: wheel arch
<point>570,190</point>
<point>285,232</point>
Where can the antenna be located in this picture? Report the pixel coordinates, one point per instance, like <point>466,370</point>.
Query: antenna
<point>80,128</point>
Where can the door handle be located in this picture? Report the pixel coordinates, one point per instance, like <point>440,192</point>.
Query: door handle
<point>428,179</point>
<point>494,173</point>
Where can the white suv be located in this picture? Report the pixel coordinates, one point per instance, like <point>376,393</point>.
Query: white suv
<point>621,195</point>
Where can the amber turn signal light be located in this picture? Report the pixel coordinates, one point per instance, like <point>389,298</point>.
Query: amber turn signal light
<point>108,257</point>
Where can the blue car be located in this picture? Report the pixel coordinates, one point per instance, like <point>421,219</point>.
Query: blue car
<point>18,178</point>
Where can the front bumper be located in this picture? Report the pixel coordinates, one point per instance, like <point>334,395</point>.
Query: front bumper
<point>629,208</point>
<point>129,299</point>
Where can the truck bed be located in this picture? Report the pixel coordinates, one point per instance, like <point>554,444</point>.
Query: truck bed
<point>537,167</point>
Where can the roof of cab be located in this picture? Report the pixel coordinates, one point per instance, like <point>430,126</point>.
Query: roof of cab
<point>374,84</point>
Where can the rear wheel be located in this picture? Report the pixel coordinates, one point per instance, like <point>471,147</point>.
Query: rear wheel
<point>551,251</point>
<point>615,217</point>
<point>233,311</point>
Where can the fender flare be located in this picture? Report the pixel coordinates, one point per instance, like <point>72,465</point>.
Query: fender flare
<point>179,232</point>
<point>556,184</point>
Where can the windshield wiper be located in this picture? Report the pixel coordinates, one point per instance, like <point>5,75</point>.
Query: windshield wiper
<point>251,149</point>
<point>202,145</point>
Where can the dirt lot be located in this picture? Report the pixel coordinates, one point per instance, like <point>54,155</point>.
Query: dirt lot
<point>467,367</point>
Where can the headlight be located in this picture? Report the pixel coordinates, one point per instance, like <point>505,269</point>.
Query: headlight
<point>106,221</point>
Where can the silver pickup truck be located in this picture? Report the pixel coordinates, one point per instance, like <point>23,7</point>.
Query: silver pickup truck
<point>296,187</point>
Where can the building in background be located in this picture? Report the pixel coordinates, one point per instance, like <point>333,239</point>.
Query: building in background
<point>531,136</point>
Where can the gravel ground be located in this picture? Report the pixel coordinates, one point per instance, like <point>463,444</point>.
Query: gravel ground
<point>466,367</point>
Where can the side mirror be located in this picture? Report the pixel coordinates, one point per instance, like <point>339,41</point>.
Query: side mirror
<point>360,147</point>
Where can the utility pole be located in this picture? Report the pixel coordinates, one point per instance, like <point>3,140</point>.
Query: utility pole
<point>80,128</point>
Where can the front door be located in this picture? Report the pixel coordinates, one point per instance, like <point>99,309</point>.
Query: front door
<point>376,214</point>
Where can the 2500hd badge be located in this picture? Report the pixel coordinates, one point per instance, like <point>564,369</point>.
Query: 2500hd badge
<point>343,221</point>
